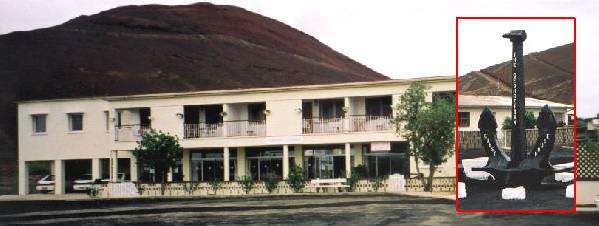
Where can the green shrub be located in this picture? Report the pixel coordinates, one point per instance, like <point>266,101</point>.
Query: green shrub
<point>246,183</point>
<point>215,185</point>
<point>296,178</point>
<point>377,183</point>
<point>353,180</point>
<point>191,187</point>
<point>270,183</point>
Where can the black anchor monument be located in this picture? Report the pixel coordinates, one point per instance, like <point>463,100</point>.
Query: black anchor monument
<point>522,168</point>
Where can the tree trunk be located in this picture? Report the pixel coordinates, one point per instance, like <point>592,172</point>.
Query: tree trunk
<point>431,173</point>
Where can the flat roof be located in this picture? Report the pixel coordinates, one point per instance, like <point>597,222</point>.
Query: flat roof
<point>504,101</point>
<point>389,82</point>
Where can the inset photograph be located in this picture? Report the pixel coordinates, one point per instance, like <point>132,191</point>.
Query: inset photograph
<point>516,114</point>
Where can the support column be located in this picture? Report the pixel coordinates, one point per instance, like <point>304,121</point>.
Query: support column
<point>299,155</point>
<point>185,161</point>
<point>240,162</point>
<point>133,169</point>
<point>285,161</point>
<point>114,166</point>
<point>347,106</point>
<point>59,185</point>
<point>169,175</point>
<point>23,178</point>
<point>358,154</point>
<point>226,117</point>
<point>96,169</point>
<point>226,163</point>
<point>347,160</point>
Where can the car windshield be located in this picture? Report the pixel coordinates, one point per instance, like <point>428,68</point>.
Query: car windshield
<point>50,178</point>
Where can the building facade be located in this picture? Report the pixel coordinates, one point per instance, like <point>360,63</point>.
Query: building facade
<point>226,134</point>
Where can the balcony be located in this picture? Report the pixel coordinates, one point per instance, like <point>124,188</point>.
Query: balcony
<point>322,125</point>
<point>245,128</point>
<point>354,123</point>
<point>361,123</point>
<point>203,130</point>
<point>130,132</point>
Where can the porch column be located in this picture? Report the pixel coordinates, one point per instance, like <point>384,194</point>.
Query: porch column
<point>185,161</point>
<point>225,128</point>
<point>347,160</point>
<point>358,154</point>
<point>59,184</point>
<point>347,105</point>
<point>23,178</point>
<point>169,175</point>
<point>285,161</point>
<point>96,169</point>
<point>226,163</point>
<point>114,164</point>
<point>240,162</point>
<point>299,155</point>
<point>133,168</point>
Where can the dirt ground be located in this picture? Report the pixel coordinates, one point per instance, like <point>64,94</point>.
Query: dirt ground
<point>384,209</point>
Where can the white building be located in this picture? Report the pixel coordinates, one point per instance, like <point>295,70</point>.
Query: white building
<point>225,134</point>
<point>470,108</point>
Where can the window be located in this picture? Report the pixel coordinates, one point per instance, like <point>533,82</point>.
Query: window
<point>39,123</point>
<point>75,121</point>
<point>256,112</point>
<point>464,119</point>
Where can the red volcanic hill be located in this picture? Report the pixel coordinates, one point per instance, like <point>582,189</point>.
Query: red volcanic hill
<point>549,75</point>
<point>156,48</point>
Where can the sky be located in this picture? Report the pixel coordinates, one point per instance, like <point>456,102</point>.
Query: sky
<point>400,39</point>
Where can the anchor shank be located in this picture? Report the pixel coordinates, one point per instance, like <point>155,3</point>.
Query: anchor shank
<point>518,145</point>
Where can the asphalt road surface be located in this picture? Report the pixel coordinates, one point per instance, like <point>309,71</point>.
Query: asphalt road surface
<point>296,210</point>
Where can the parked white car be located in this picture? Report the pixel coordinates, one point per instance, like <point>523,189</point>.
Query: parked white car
<point>84,183</point>
<point>46,184</point>
<point>597,201</point>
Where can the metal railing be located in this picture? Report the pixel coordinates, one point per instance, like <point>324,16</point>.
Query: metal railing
<point>203,130</point>
<point>564,136</point>
<point>130,132</point>
<point>359,123</point>
<point>245,128</point>
<point>322,125</point>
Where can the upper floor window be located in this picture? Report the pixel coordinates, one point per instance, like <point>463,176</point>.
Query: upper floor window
<point>75,121</point>
<point>39,123</point>
<point>463,119</point>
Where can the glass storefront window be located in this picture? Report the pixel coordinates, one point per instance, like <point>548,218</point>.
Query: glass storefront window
<point>384,163</point>
<point>267,161</point>
<point>324,162</point>
<point>208,165</point>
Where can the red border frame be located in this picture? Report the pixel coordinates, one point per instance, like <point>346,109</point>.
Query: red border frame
<point>456,115</point>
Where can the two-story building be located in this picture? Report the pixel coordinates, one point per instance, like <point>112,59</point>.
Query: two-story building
<point>326,129</point>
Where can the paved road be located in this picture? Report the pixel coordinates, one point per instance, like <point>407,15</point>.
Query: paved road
<point>299,210</point>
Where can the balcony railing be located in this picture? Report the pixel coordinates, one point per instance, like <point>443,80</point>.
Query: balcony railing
<point>245,128</point>
<point>203,130</point>
<point>130,132</point>
<point>353,123</point>
<point>322,125</point>
<point>360,123</point>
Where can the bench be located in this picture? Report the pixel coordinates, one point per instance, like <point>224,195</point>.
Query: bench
<point>328,183</point>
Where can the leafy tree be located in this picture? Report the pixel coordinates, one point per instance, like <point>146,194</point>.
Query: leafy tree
<point>158,150</point>
<point>405,120</point>
<point>296,178</point>
<point>436,129</point>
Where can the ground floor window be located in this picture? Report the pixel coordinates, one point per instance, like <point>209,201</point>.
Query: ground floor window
<point>325,162</point>
<point>209,165</point>
<point>387,162</point>
<point>264,162</point>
